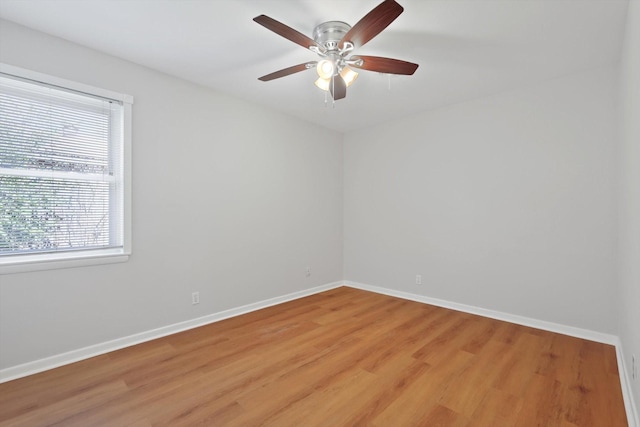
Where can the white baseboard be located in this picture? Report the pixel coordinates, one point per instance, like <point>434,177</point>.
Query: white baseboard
<point>629,402</point>
<point>507,317</point>
<point>58,360</point>
<point>627,393</point>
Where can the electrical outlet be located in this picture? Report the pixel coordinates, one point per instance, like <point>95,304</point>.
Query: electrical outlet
<point>307,271</point>
<point>634,367</point>
<point>418,279</point>
<point>195,298</point>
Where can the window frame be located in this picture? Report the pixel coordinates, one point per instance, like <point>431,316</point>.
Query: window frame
<point>79,258</point>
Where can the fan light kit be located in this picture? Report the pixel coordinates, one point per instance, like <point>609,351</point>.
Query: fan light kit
<point>333,42</point>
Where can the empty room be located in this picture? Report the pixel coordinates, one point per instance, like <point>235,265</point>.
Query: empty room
<point>320,213</point>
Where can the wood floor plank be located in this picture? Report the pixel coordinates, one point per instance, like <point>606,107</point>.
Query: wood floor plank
<point>371,404</point>
<point>332,399</point>
<point>441,416</point>
<point>341,357</point>
<point>541,402</point>
<point>497,408</point>
<point>520,366</point>
<point>472,382</point>
<point>423,394</point>
<point>58,412</point>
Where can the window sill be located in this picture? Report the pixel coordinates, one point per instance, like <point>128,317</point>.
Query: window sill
<point>40,262</point>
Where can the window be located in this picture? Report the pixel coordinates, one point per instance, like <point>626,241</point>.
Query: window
<point>64,173</point>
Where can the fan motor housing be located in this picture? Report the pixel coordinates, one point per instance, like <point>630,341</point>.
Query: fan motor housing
<point>329,34</point>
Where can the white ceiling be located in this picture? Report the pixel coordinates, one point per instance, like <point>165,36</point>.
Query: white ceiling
<point>465,48</point>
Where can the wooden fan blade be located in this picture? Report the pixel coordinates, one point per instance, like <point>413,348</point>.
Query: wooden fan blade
<point>372,23</point>
<point>285,31</point>
<point>383,65</point>
<point>337,87</point>
<point>287,71</point>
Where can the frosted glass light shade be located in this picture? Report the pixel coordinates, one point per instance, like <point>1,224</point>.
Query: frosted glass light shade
<point>349,76</point>
<point>325,69</point>
<point>323,83</point>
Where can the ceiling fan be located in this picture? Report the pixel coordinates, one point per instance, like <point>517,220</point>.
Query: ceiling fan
<point>334,41</point>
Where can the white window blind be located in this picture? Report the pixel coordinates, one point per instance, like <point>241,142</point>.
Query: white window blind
<point>61,170</point>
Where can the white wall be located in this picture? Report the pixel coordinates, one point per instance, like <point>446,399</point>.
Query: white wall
<point>230,199</point>
<point>629,301</point>
<point>505,203</point>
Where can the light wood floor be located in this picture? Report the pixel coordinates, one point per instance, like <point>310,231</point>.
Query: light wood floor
<point>340,358</point>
